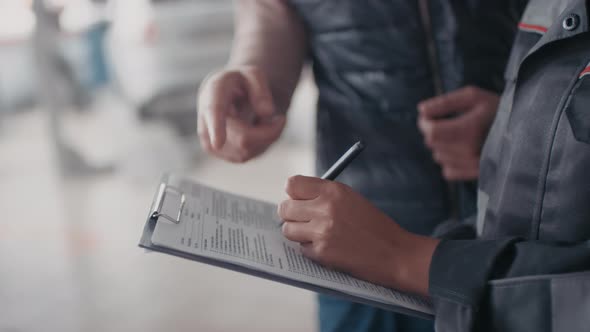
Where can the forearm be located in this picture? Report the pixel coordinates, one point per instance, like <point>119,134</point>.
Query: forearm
<point>411,258</point>
<point>270,36</point>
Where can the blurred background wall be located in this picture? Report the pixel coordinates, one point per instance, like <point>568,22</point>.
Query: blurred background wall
<point>97,100</point>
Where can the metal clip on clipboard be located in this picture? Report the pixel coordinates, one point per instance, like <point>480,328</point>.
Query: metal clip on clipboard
<point>161,208</point>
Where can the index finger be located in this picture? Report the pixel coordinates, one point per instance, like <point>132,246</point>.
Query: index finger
<point>443,130</point>
<point>215,101</point>
<point>449,104</point>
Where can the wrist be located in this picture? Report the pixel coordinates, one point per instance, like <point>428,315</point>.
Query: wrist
<point>411,262</point>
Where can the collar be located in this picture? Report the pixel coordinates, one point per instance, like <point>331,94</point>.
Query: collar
<point>555,29</point>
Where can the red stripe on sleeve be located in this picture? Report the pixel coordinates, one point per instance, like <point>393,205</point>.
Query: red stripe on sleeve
<point>532,27</point>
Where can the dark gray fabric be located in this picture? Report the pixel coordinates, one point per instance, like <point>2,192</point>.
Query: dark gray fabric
<point>452,229</point>
<point>371,65</point>
<point>523,274</point>
<point>577,111</point>
<point>570,294</point>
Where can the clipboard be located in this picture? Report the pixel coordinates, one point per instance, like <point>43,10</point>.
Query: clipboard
<point>167,206</point>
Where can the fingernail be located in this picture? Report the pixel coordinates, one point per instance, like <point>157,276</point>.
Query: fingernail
<point>267,105</point>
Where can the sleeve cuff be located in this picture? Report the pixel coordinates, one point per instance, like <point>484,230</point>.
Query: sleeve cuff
<point>456,230</point>
<point>460,269</point>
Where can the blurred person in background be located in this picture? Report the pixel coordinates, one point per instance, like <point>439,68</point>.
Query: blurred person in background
<point>375,63</point>
<point>58,87</point>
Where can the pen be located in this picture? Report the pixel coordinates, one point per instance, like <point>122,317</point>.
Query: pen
<point>333,172</point>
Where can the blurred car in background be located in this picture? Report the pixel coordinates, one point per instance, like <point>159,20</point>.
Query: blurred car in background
<point>160,51</point>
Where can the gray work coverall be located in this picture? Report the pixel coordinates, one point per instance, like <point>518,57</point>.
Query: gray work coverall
<point>530,268</point>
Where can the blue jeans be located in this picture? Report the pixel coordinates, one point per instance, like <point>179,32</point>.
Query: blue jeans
<point>341,316</point>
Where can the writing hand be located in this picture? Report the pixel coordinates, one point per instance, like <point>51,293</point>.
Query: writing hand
<point>338,228</point>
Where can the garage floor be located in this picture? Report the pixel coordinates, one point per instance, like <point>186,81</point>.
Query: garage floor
<point>69,259</point>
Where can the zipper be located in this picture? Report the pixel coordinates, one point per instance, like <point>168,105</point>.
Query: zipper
<point>424,9</point>
<point>426,20</point>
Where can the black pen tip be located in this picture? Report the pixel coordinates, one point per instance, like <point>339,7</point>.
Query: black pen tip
<point>360,145</point>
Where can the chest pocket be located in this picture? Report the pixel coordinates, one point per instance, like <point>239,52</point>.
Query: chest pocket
<point>578,107</point>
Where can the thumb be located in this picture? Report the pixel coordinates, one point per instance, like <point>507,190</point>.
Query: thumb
<point>269,129</point>
<point>449,104</point>
<point>304,187</point>
<point>259,93</point>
